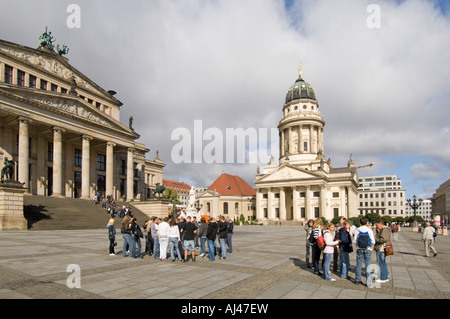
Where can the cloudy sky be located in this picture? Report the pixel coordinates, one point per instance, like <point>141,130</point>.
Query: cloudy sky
<point>381,75</point>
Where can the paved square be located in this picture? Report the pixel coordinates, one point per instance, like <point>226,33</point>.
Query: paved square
<point>268,262</point>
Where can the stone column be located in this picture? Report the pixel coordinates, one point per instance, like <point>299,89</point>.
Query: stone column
<point>282,152</point>
<point>343,211</point>
<point>323,202</point>
<point>310,138</point>
<point>291,141</point>
<point>24,152</point>
<point>57,161</point>
<point>308,211</point>
<point>282,204</point>
<point>85,167</point>
<point>130,175</point>
<point>300,139</point>
<point>295,196</point>
<point>109,168</point>
<point>269,204</point>
<point>259,211</point>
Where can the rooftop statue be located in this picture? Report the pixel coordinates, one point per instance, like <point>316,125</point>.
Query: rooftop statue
<point>46,40</point>
<point>63,50</point>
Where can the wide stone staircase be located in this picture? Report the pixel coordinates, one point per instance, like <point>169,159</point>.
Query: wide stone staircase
<point>50,213</point>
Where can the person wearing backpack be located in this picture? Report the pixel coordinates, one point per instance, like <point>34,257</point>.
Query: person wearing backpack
<point>427,239</point>
<point>363,241</point>
<point>328,251</point>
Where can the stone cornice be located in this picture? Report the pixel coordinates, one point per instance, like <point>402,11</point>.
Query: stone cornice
<point>69,106</point>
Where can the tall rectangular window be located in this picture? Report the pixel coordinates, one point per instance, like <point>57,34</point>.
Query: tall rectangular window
<point>78,157</point>
<point>32,81</point>
<point>43,85</point>
<point>20,78</point>
<point>50,151</point>
<point>123,167</point>
<point>316,212</point>
<point>101,162</point>
<point>8,74</point>
<point>54,87</point>
<point>305,146</point>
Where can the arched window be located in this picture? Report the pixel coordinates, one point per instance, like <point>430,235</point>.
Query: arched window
<point>225,208</point>
<point>236,208</point>
<point>208,207</point>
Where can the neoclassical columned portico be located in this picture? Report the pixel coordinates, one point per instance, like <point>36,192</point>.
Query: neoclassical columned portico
<point>295,202</point>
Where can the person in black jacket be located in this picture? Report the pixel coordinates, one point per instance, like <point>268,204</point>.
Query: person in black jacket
<point>223,232</point>
<point>211,234</point>
<point>230,235</point>
<point>136,234</point>
<point>345,249</point>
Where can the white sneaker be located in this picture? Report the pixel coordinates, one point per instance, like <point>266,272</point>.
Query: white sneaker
<point>381,281</point>
<point>112,254</point>
<point>332,279</point>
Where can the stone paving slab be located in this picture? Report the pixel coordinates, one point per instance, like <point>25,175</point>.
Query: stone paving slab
<point>267,263</point>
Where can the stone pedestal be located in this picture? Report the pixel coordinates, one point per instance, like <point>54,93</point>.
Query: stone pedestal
<point>154,207</point>
<point>11,206</point>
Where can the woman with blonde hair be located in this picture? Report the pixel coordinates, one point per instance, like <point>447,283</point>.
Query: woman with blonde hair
<point>111,236</point>
<point>316,232</point>
<point>126,234</point>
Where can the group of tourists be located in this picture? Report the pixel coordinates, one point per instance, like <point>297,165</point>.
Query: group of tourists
<point>174,237</point>
<point>338,241</point>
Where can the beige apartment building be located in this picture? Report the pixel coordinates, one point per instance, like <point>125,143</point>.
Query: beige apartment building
<point>64,132</point>
<point>382,195</point>
<point>304,185</point>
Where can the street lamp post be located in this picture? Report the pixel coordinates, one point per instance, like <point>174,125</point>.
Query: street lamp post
<point>414,204</point>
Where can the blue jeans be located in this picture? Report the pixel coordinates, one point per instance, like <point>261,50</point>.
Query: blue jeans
<point>344,264</point>
<point>223,247</point>
<point>202,245</point>
<point>229,242</point>
<point>362,255</point>
<point>326,266</point>
<point>212,249</point>
<point>381,261</point>
<point>155,247</point>
<point>173,241</point>
<point>135,253</point>
<point>126,243</point>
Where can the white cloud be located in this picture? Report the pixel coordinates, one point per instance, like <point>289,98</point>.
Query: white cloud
<point>229,63</point>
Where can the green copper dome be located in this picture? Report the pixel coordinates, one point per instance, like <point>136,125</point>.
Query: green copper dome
<point>300,90</point>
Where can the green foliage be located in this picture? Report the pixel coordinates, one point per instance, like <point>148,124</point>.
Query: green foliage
<point>172,196</point>
<point>387,219</point>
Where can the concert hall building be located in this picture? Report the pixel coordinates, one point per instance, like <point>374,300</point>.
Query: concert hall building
<point>64,133</point>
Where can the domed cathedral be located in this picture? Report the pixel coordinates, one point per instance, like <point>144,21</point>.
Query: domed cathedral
<point>304,185</point>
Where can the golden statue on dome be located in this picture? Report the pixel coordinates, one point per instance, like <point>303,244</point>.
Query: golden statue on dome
<point>300,70</point>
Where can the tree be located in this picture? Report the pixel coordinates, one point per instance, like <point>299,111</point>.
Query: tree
<point>172,196</point>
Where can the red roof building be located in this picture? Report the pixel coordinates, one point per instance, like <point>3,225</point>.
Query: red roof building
<point>229,196</point>
<point>232,185</point>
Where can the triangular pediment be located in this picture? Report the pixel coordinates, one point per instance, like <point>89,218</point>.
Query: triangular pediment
<point>67,105</point>
<point>54,65</point>
<point>288,172</point>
